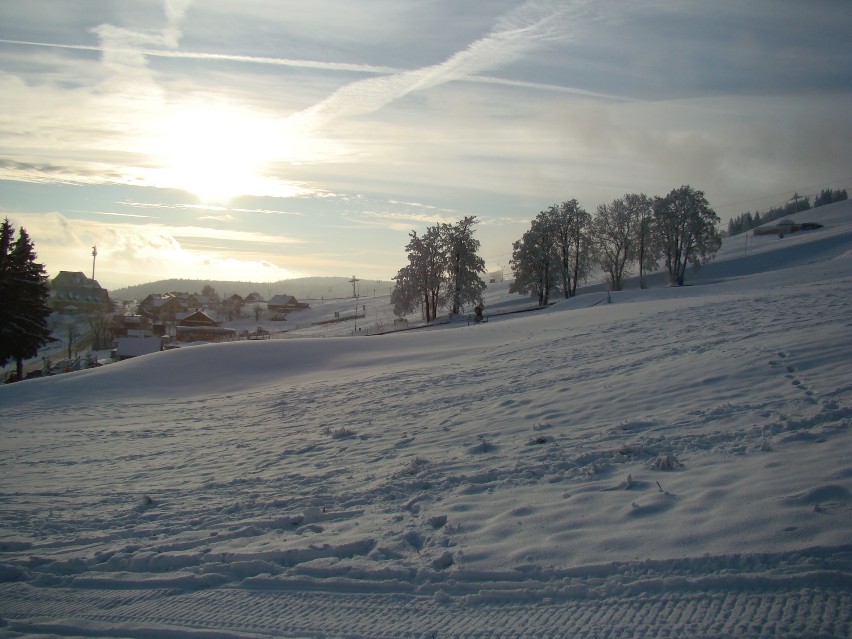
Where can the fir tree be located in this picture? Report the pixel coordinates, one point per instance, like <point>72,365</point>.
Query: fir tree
<point>23,299</point>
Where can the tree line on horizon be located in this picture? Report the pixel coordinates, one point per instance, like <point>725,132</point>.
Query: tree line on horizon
<point>565,243</point>
<point>562,247</point>
<point>748,221</point>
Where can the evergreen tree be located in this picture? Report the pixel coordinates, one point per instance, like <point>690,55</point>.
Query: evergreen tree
<point>23,299</point>
<point>827,196</point>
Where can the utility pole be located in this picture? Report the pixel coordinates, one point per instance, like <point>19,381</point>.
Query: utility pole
<point>796,197</point>
<point>94,257</point>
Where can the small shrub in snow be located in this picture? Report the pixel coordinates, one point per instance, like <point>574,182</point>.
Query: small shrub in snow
<point>632,450</point>
<point>666,462</point>
<point>144,503</point>
<point>343,433</point>
<point>484,446</point>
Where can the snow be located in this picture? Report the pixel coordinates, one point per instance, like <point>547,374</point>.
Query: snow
<point>675,463</point>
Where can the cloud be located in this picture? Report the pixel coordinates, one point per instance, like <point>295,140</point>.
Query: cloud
<point>130,215</point>
<point>530,26</point>
<point>130,252</point>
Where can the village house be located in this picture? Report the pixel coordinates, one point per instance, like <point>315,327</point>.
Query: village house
<point>199,326</point>
<point>161,308</point>
<point>198,318</point>
<point>132,326</point>
<point>785,227</point>
<point>285,304</point>
<point>232,306</point>
<point>72,293</point>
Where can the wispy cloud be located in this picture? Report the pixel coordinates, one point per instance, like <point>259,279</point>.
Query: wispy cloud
<point>529,27</point>
<point>401,221</point>
<point>111,214</point>
<point>141,252</point>
<point>218,57</point>
<point>322,66</point>
<point>205,207</point>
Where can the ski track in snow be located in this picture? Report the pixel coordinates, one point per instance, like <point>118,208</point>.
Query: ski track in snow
<point>674,464</point>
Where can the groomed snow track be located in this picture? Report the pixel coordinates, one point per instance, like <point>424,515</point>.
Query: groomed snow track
<point>803,594</point>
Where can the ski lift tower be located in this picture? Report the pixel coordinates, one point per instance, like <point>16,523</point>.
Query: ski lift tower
<point>94,257</point>
<point>354,281</point>
<point>796,197</point>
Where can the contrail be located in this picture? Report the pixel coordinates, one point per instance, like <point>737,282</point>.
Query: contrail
<point>215,57</point>
<point>516,33</point>
<point>530,26</point>
<point>313,64</point>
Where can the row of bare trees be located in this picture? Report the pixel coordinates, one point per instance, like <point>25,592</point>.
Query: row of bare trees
<point>565,244</point>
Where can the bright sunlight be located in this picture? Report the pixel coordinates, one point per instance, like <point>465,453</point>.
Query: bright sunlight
<point>219,152</point>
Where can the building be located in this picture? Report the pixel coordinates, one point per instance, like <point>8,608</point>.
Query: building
<point>132,326</point>
<point>127,347</point>
<point>785,227</point>
<point>285,304</point>
<point>198,318</point>
<point>161,308</point>
<point>72,293</point>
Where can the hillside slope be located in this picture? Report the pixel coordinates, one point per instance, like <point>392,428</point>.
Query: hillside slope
<point>675,463</point>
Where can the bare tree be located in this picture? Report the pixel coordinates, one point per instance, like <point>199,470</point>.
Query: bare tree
<point>571,226</point>
<point>65,325</point>
<point>210,292</point>
<point>646,249</point>
<point>100,327</point>
<point>423,278</point>
<point>535,259</point>
<point>685,227</point>
<point>463,263</point>
<point>615,240</point>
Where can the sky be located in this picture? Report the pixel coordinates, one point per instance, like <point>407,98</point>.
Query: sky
<point>260,140</point>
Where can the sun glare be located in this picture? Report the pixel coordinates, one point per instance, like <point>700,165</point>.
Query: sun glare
<point>216,152</point>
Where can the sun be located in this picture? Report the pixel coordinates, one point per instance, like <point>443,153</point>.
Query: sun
<point>217,152</point>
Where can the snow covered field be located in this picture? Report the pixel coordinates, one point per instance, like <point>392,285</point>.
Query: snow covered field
<point>677,463</point>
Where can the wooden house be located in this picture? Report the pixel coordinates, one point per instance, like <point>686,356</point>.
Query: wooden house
<point>285,304</point>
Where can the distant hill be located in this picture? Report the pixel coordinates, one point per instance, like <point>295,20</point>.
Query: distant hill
<point>300,288</point>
